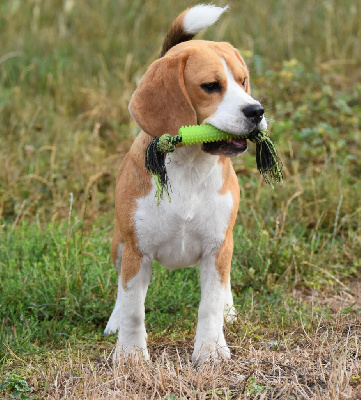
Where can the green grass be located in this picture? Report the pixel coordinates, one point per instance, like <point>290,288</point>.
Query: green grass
<point>68,286</point>
<point>58,284</point>
<point>67,71</point>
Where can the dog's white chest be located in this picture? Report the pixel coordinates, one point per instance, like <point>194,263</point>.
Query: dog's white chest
<point>193,224</point>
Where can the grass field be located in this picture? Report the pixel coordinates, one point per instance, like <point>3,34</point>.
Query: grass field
<point>67,71</point>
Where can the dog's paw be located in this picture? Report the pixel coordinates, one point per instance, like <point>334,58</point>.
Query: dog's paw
<point>210,351</point>
<point>131,345</point>
<point>230,315</point>
<point>113,324</point>
<point>126,353</point>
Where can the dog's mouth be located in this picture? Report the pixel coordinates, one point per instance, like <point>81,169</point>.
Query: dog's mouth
<point>228,148</point>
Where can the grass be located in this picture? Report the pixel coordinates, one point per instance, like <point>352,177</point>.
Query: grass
<point>67,71</point>
<point>52,328</point>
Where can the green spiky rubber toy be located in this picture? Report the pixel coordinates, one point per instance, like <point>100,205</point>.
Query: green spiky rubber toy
<point>266,155</point>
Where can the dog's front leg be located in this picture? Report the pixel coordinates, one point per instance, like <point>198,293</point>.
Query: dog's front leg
<point>209,341</point>
<point>134,280</point>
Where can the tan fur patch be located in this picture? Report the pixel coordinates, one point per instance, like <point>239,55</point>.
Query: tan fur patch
<point>132,183</point>
<point>224,255</point>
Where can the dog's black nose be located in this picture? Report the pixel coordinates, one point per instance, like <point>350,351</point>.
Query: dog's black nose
<point>254,112</point>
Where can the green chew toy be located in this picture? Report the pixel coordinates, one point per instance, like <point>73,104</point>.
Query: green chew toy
<point>266,155</point>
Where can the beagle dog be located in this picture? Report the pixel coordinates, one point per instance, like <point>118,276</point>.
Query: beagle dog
<point>193,82</point>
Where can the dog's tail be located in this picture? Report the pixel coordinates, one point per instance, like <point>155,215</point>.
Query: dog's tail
<point>190,22</point>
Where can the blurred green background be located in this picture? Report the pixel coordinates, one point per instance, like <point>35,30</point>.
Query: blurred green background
<point>68,68</point>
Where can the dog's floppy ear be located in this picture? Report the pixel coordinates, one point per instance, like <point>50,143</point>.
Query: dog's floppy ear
<point>161,103</point>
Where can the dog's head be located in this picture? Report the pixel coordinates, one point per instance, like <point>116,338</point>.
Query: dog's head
<point>198,82</point>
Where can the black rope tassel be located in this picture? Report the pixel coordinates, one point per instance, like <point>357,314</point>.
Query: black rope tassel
<point>267,159</point>
<point>155,162</point>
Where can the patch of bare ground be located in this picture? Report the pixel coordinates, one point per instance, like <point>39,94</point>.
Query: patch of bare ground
<point>321,362</point>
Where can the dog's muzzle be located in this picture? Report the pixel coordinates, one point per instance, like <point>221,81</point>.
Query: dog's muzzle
<point>228,148</point>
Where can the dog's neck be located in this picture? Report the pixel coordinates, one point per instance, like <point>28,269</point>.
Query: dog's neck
<point>192,155</point>
<point>192,162</point>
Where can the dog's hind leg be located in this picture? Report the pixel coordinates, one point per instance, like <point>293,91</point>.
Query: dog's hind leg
<point>229,312</point>
<point>117,253</point>
<point>114,320</point>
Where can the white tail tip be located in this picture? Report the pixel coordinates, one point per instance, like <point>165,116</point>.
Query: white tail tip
<point>202,16</point>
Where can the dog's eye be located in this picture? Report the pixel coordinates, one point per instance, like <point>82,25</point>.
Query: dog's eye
<point>211,87</point>
<point>244,82</point>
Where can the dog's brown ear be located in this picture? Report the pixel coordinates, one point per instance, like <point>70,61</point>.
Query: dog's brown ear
<point>161,103</point>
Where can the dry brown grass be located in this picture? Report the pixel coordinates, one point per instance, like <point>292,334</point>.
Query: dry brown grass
<point>321,369</point>
<point>324,363</point>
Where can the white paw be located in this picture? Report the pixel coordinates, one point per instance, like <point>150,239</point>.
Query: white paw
<point>131,352</point>
<point>113,324</point>
<point>131,345</point>
<point>230,315</point>
<point>210,351</point>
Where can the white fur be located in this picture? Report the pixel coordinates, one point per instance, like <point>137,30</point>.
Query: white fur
<point>179,233</point>
<point>190,229</point>
<point>119,257</point>
<point>202,16</point>
<point>228,115</point>
<point>129,314</point>
<point>229,312</point>
<point>114,320</point>
<point>209,342</point>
